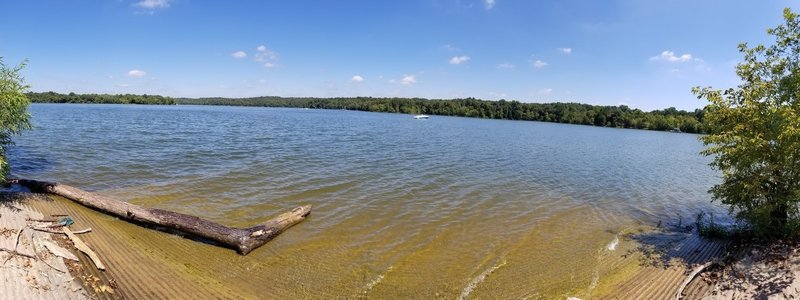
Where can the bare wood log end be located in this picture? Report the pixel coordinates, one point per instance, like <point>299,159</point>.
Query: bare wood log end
<point>257,236</point>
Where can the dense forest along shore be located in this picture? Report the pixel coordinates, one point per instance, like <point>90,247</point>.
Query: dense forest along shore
<point>621,116</point>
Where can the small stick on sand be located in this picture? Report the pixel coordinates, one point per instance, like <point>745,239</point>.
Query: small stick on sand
<point>15,253</point>
<point>691,277</point>
<point>42,220</point>
<point>84,248</point>
<point>45,229</point>
<point>19,233</point>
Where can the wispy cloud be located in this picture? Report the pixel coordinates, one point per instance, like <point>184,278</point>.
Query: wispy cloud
<point>670,56</point>
<point>266,56</point>
<point>506,66</point>
<point>357,79</point>
<point>239,54</point>
<point>457,60</point>
<point>546,91</point>
<point>489,4</point>
<point>450,47</point>
<point>565,50</point>
<point>539,64</point>
<point>152,4</point>
<point>136,73</point>
<point>406,80</point>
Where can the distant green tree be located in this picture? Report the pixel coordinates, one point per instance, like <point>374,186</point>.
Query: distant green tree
<point>52,97</point>
<point>14,116</point>
<point>754,133</point>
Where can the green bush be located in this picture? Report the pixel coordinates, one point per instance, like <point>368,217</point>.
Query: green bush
<point>14,117</point>
<point>754,134</point>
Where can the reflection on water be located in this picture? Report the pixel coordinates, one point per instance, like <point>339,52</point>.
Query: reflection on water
<point>446,207</point>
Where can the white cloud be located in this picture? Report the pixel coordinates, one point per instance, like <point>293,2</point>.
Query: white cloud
<point>264,54</point>
<point>269,65</point>
<point>239,54</point>
<point>457,60</point>
<point>153,4</point>
<point>136,73</point>
<point>123,85</point>
<point>407,80</point>
<point>489,4</point>
<point>565,50</point>
<point>545,91</point>
<point>539,64</point>
<point>670,56</point>
<point>506,66</point>
<point>357,78</point>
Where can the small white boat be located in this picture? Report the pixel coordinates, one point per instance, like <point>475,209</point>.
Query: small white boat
<point>421,117</point>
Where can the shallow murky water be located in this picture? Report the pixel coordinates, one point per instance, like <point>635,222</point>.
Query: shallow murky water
<point>446,207</point>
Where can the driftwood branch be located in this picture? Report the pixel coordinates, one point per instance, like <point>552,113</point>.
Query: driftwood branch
<point>695,272</point>
<point>242,240</point>
<point>84,248</point>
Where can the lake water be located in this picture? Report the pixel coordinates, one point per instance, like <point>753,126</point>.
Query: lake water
<point>446,207</point>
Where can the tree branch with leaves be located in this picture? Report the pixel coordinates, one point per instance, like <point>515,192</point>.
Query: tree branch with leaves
<point>754,134</point>
<point>14,117</point>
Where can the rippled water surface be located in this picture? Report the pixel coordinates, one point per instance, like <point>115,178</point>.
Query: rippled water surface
<point>445,207</point>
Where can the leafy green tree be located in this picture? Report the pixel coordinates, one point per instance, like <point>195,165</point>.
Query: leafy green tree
<point>754,133</point>
<point>14,117</point>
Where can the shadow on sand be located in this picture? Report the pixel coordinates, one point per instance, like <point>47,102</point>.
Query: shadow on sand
<point>760,268</point>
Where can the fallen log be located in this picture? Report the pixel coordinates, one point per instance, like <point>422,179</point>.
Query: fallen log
<point>242,240</point>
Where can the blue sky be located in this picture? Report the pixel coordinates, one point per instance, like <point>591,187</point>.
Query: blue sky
<point>645,54</point>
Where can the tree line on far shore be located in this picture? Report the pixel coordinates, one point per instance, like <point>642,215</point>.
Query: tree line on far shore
<point>572,113</point>
<point>53,97</point>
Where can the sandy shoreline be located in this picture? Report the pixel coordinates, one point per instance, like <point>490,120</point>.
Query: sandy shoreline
<point>756,270</point>
<point>29,269</point>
